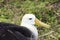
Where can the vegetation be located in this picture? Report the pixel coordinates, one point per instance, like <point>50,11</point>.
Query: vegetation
<point>48,11</point>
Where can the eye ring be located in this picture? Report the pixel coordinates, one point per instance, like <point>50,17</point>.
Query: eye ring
<point>30,18</point>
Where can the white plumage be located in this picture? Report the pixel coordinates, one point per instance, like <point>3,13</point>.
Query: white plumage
<point>28,21</point>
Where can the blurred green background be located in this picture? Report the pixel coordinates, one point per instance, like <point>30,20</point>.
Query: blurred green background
<point>48,11</point>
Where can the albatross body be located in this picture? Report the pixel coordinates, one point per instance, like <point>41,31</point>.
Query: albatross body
<point>26,31</point>
<point>14,32</point>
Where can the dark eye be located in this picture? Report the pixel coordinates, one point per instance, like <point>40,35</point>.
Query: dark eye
<point>30,18</point>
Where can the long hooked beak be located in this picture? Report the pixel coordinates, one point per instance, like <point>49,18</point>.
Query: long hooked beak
<point>39,23</point>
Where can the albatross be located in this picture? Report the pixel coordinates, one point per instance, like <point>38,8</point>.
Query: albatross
<point>26,31</point>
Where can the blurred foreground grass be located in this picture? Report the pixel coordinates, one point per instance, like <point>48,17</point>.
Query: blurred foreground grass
<point>47,11</point>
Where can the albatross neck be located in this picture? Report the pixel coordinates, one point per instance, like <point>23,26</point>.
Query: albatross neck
<point>32,28</point>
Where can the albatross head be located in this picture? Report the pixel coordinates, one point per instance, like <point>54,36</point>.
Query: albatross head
<point>29,20</point>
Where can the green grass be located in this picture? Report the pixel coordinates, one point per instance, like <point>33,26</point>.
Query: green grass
<point>12,12</point>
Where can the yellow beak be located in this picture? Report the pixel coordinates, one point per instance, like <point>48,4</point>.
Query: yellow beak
<point>39,23</point>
